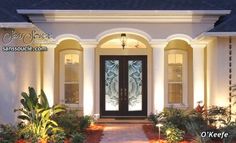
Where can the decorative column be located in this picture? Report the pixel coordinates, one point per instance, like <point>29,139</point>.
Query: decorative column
<point>158,75</point>
<point>47,72</point>
<point>198,73</point>
<point>88,79</point>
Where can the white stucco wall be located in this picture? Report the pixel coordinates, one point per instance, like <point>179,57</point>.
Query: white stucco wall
<point>49,73</point>
<point>218,72</point>
<point>28,71</point>
<point>234,68</point>
<point>211,67</point>
<point>155,30</point>
<point>17,72</point>
<point>8,87</point>
<point>234,60</point>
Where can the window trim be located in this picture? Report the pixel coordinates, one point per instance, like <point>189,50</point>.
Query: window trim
<point>185,97</point>
<point>62,77</point>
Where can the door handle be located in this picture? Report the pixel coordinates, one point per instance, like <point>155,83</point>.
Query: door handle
<point>125,96</point>
<point>121,94</point>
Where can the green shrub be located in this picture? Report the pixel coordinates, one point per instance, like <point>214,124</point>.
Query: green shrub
<point>231,129</point>
<point>58,137</point>
<point>85,122</point>
<point>25,132</point>
<point>8,134</point>
<point>195,125</point>
<point>218,116</point>
<point>174,135</point>
<point>155,118</point>
<point>166,126</point>
<point>68,120</point>
<point>175,116</point>
<point>77,137</point>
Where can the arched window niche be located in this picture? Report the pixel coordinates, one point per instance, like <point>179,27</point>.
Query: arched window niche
<point>178,74</point>
<point>69,73</point>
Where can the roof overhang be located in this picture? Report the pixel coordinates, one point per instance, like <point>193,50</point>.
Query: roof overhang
<point>16,25</point>
<point>219,34</point>
<point>207,37</point>
<point>147,16</point>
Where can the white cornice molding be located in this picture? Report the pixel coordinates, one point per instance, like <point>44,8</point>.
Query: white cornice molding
<point>158,12</point>
<point>159,43</point>
<point>147,16</point>
<point>89,43</point>
<point>196,45</point>
<point>16,25</point>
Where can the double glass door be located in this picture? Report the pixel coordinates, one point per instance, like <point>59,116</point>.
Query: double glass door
<point>123,86</point>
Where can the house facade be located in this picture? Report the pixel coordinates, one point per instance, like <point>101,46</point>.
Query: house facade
<point>118,62</point>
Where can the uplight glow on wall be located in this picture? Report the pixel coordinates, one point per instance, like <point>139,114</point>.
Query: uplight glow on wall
<point>88,91</point>
<point>48,74</point>
<point>198,91</point>
<point>158,79</point>
<point>198,73</point>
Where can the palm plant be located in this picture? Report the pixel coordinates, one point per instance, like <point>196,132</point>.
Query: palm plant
<point>38,114</point>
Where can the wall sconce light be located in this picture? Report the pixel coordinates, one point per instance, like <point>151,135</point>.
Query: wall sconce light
<point>123,40</point>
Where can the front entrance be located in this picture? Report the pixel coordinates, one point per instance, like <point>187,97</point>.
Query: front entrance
<point>123,86</point>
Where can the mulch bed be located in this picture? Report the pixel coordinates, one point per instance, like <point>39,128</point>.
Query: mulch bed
<point>94,133</point>
<point>153,136</point>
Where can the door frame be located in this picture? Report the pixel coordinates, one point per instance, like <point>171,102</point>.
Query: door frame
<point>121,113</point>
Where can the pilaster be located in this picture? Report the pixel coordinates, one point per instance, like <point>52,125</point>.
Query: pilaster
<point>88,77</point>
<point>158,75</point>
<point>198,72</point>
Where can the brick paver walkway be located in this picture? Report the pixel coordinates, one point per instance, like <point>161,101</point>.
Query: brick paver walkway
<point>124,133</point>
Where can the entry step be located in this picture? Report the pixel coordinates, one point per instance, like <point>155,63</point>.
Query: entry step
<point>122,121</point>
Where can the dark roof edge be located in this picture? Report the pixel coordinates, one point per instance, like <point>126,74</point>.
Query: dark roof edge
<point>220,34</point>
